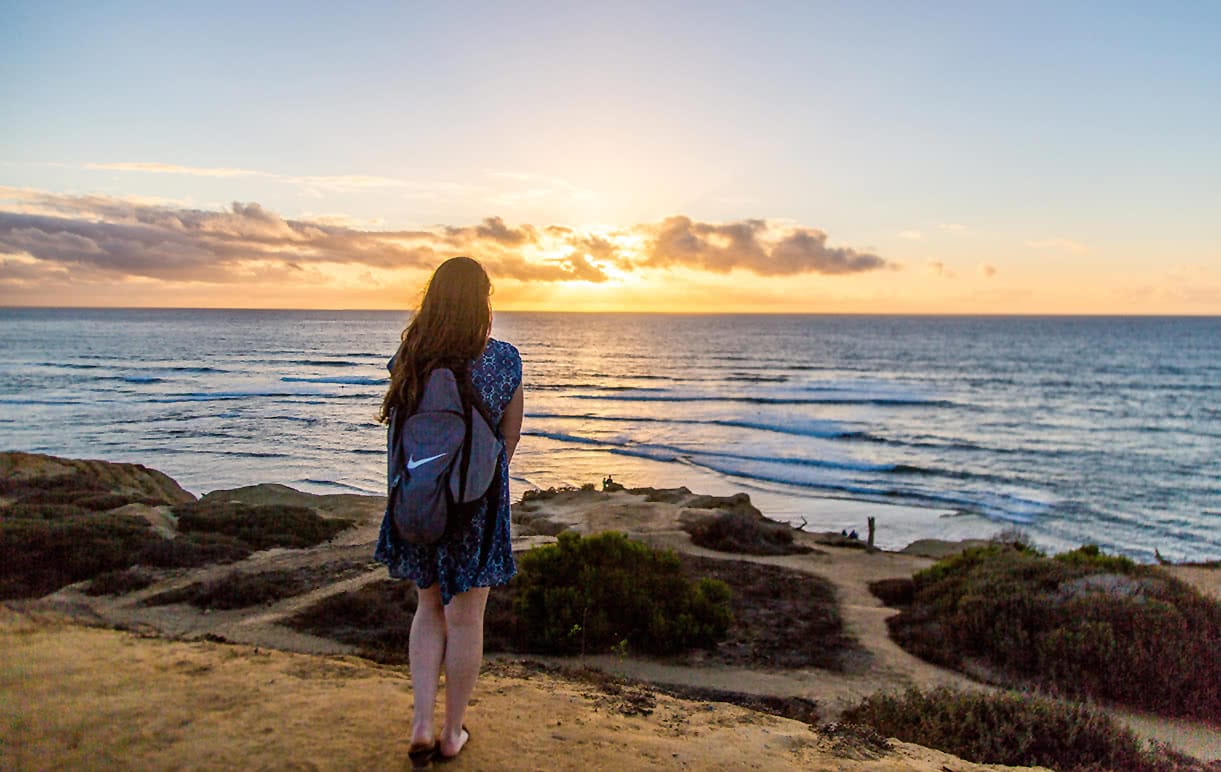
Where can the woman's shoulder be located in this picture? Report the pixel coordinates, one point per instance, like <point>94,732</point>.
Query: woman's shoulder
<point>504,358</point>
<point>503,350</point>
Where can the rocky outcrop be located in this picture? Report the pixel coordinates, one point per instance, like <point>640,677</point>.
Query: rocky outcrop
<point>837,539</point>
<point>665,495</point>
<point>134,480</point>
<point>738,503</point>
<point>940,548</point>
<point>63,521</point>
<point>351,505</point>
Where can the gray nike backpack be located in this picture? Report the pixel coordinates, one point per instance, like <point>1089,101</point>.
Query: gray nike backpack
<point>443,460</point>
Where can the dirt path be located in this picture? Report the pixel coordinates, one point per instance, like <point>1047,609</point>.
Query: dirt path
<point>883,664</point>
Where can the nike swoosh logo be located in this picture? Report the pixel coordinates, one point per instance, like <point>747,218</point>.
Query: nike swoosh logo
<point>412,463</point>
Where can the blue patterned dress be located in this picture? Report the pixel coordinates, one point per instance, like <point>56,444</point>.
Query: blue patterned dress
<point>458,562</point>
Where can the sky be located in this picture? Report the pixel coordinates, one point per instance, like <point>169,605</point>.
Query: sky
<point>808,157</point>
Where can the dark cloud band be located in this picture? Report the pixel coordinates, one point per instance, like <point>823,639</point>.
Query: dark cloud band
<point>112,237</point>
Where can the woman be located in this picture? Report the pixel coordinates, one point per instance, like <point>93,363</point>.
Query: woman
<point>453,328</point>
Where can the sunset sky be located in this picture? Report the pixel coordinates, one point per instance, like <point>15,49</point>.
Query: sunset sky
<point>944,157</point>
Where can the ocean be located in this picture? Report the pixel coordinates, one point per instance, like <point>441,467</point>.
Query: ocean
<point>1073,429</point>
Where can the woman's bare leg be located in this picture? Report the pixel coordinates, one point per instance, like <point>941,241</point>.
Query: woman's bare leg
<point>426,648</point>
<point>463,656</point>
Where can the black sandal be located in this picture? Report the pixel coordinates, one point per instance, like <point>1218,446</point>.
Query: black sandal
<point>422,754</point>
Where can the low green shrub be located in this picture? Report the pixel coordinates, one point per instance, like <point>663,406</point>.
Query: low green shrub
<point>241,589</point>
<point>25,510</point>
<point>120,582</point>
<point>76,492</point>
<point>236,590</point>
<point>1081,624</point>
<point>35,496</point>
<point>102,502</point>
<point>40,556</point>
<point>260,527</point>
<point>195,548</point>
<point>743,534</point>
<point>51,488</point>
<point>375,618</point>
<point>1088,556</point>
<point>1017,538</point>
<point>52,536</point>
<point>1013,729</point>
<point>894,592</point>
<point>782,618</point>
<point>52,498</point>
<point>93,501</point>
<point>588,595</point>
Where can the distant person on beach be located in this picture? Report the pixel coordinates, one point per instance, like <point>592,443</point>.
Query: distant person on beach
<point>453,328</point>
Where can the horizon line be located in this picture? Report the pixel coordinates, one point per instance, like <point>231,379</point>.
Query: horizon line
<point>1017,314</point>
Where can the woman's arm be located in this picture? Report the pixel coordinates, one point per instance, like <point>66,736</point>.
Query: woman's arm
<point>510,422</point>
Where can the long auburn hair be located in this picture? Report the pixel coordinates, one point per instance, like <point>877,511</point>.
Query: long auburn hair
<point>450,329</point>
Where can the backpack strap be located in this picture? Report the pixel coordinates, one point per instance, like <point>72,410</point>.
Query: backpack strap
<point>465,463</point>
<point>394,433</point>
<point>471,397</point>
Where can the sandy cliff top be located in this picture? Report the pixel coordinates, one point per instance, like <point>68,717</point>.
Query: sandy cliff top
<point>89,697</point>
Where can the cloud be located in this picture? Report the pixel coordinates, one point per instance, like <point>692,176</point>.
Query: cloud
<point>494,229</point>
<point>953,227</point>
<point>190,244</point>
<point>988,270</point>
<point>911,235</point>
<point>604,249</point>
<point>572,267</point>
<point>752,245</point>
<point>343,220</point>
<point>105,238</point>
<point>23,273</point>
<point>160,168</point>
<point>313,184</point>
<point>937,267</point>
<point>718,248</point>
<point>1060,245</point>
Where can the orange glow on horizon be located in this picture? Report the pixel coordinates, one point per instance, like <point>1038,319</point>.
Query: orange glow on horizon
<point>911,291</point>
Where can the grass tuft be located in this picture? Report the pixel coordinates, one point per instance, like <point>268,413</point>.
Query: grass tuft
<point>1020,730</point>
<point>242,589</point>
<point>120,582</point>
